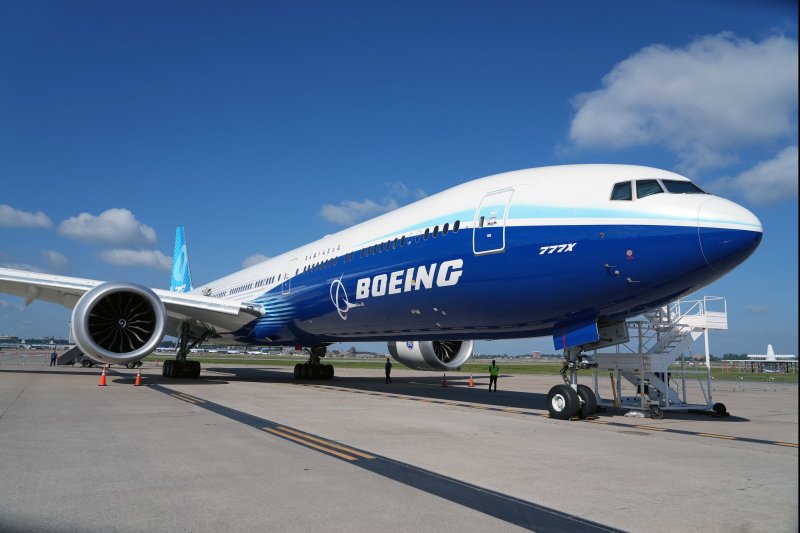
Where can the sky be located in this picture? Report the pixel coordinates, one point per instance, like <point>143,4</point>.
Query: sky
<point>261,126</point>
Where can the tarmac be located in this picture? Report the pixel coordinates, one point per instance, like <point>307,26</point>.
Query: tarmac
<point>250,448</point>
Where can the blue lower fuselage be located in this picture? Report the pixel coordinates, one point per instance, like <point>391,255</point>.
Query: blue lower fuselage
<point>526,290</point>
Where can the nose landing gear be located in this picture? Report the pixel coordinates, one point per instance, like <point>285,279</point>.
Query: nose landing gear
<point>570,399</point>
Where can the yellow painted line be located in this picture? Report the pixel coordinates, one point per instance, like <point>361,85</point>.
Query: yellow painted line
<point>789,444</point>
<point>327,443</point>
<point>715,436</point>
<point>311,444</point>
<point>598,422</point>
<point>190,398</point>
<point>513,411</point>
<point>178,396</point>
<point>651,428</point>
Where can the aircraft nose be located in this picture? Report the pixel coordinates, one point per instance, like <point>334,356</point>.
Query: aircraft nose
<point>728,233</point>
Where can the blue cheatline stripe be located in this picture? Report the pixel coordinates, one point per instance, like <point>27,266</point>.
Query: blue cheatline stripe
<point>513,510</point>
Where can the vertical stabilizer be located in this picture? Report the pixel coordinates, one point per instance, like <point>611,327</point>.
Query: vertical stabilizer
<point>770,353</point>
<point>181,277</point>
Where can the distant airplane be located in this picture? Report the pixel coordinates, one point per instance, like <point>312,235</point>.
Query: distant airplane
<point>770,356</point>
<point>544,251</point>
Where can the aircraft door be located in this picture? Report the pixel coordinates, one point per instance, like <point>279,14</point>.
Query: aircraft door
<point>489,225</point>
<point>288,273</point>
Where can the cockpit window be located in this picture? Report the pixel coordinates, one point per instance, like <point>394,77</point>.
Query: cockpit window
<point>682,187</point>
<point>622,191</point>
<point>647,188</point>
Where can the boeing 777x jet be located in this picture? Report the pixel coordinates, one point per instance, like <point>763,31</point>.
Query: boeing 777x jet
<point>554,251</point>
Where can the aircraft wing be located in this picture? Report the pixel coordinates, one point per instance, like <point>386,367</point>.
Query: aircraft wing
<point>201,311</point>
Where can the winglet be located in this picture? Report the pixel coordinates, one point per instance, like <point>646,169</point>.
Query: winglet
<point>181,277</point>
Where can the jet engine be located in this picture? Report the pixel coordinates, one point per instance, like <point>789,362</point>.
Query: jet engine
<point>431,355</point>
<point>119,322</point>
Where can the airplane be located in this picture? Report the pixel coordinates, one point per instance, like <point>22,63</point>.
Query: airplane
<point>770,356</point>
<point>564,251</point>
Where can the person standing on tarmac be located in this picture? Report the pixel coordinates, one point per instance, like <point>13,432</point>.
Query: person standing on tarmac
<point>53,357</point>
<point>388,368</point>
<point>494,370</point>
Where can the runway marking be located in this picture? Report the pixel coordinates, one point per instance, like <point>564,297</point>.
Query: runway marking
<point>327,443</point>
<point>188,398</point>
<point>180,397</point>
<point>453,403</point>
<point>504,507</point>
<point>715,436</point>
<point>311,444</point>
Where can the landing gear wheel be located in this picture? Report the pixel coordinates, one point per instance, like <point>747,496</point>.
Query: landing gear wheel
<point>166,370</point>
<point>130,365</point>
<point>588,401</point>
<point>720,409</point>
<point>656,413</point>
<point>193,369</point>
<point>86,363</point>
<point>563,402</point>
<point>329,374</point>
<point>298,370</point>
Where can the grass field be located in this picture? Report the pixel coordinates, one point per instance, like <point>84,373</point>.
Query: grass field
<point>545,367</point>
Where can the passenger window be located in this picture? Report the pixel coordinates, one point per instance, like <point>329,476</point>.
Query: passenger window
<point>647,188</point>
<point>480,222</point>
<point>682,187</point>
<point>426,234</point>
<point>402,241</point>
<point>456,226</point>
<point>445,228</point>
<point>622,191</point>
<point>435,231</point>
<point>394,244</point>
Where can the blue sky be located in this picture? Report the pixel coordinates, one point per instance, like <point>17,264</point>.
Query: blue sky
<point>264,125</point>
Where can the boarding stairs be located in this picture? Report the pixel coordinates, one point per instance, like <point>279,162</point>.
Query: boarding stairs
<point>656,342</point>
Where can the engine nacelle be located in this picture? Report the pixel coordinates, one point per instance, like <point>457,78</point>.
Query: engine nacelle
<point>119,322</point>
<point>431,355</point>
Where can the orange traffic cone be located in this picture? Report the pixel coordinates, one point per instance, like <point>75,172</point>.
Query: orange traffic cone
<point>444,380</point>
<point>138,381</point>
<point>102,378</point>
<point>471,383</point>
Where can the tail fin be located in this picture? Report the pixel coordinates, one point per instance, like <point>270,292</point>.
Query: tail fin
<point>181,277</point>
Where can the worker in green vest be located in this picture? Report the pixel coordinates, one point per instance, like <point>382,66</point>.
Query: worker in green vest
<point>494,370</point>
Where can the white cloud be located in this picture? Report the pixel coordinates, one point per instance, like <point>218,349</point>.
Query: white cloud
<point>767,182</point>
<point>254,260</point>
<point>351,211</point>
<point>57,261</point>
<point>16,218</point>
<point>114,226</point>
<point>701,102</point>
<point>147,258</point>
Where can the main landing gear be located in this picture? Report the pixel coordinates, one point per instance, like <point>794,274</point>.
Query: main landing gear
<point>570,399</point>
<point>180,367</point>
<point>313,369</point>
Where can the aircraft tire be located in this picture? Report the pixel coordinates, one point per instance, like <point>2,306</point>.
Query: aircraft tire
<point>297,371</point>
<point>168,367</point>
<point>562,402</point>
<point>589,405</point>
<point>330,372</point>
<point>656,413</point>
<point>193,369</point>
<point>720,409</point>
